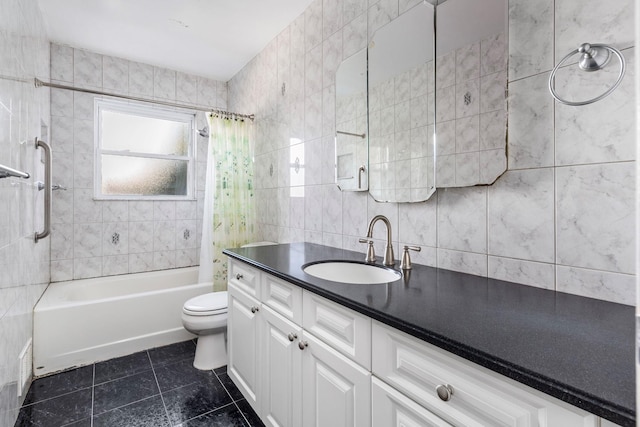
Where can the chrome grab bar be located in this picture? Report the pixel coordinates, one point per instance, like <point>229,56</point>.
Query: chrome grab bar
<point>47,190</point>
<point>6,172</point>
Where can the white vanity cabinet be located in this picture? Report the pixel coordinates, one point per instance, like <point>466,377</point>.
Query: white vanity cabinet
<point>302,360</point>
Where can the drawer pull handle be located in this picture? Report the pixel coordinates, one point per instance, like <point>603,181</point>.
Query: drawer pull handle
<point>255,309</point>
<point>292,337</point>
<point>444,392</point>
<point>302,345</point>
<point>238,276</point>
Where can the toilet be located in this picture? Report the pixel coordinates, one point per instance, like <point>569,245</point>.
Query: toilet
<point>206,317</point>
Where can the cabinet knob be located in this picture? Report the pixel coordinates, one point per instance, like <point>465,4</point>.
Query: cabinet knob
<point>444,392</point>
<point>292,337</point>
<point>254,309</point>
<point>302,345</point>
<point>238,276</point>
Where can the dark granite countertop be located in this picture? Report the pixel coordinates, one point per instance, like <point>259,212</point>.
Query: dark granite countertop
<point>577,349</point>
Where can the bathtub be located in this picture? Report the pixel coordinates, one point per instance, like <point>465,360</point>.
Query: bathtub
<point>84,321</point>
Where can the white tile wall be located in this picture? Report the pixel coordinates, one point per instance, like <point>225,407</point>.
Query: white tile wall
<point>98,237</point>
<point>561,218</point>
<point>24,115</point>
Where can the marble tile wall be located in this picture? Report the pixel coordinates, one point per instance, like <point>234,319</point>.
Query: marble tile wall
<point>561,217</point>
<point>93,238</point>
<point>24,115</point>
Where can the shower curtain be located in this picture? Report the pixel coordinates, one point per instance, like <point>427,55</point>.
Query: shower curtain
<point>229,205</point>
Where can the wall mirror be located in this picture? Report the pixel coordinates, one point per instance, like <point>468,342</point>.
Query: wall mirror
<point>352,148</point>
<point>401,108</point>
<point>471,82</point>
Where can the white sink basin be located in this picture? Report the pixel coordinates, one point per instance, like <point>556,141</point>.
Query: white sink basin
<point>352,272</point>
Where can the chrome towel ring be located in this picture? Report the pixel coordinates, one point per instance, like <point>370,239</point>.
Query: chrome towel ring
<point>594,57</point>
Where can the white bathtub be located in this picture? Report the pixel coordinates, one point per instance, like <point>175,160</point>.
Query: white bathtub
<point>84,321</point>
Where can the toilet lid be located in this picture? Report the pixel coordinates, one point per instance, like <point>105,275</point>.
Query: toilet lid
<point>213,302</point>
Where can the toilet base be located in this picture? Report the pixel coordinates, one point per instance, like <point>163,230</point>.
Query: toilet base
<point>211,351</point>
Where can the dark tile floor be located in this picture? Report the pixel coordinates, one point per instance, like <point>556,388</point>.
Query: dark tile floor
<point>158,387</point>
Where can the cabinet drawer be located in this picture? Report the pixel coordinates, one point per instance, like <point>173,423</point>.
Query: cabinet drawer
<point>244,277</point>
<point>343,329</point>
<point>480,397</point>
<point>390,408</point>
<point>284,297</point>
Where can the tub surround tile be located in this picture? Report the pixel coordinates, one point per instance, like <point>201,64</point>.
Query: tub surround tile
<point>62,270</point>
<point>140,262</point>
<point>115,74</point>
<point>164,260</point>
<point>141,237</point>
<point>187,257</point>
<point>61,63</point>
<point>85,268</point>
<point>115,238</point>
<point>115,264</point>
<point>115,211</point>
<point>164,83</point>
<point>87,69</point>
<point>86,240</point>
<point>140,79</point>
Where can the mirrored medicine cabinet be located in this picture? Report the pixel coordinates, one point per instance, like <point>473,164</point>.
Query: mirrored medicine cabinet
<point>436,113</point>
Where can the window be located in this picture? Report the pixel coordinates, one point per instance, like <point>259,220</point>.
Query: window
<point>143,152</point>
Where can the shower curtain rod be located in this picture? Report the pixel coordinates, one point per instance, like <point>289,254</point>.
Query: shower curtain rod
<point>40,83</point>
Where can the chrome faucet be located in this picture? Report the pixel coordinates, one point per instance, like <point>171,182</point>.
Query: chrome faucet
<point>388,254</point>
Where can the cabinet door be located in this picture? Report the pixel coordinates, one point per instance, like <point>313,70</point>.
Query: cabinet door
<point>281,365</point>
<point>390,408</point>
<point>336,392</point>
<point>340,327</point>
<point>243,344</point>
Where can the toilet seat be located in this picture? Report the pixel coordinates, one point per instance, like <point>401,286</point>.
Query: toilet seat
<point>207,304</point>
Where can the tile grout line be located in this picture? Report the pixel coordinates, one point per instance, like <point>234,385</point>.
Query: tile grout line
<point>233,401</point>
<point>93,393</point>
<point>153,369</point>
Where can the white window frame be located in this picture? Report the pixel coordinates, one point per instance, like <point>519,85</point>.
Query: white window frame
<point>144,110</point>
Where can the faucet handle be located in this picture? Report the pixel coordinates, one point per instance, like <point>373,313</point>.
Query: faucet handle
<point>406,259</point>
<point>371,253</point>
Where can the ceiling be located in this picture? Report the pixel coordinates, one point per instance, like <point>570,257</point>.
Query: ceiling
<point>209,38</point>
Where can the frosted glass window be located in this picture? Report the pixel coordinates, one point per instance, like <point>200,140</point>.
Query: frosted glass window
<point>143,152</point>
